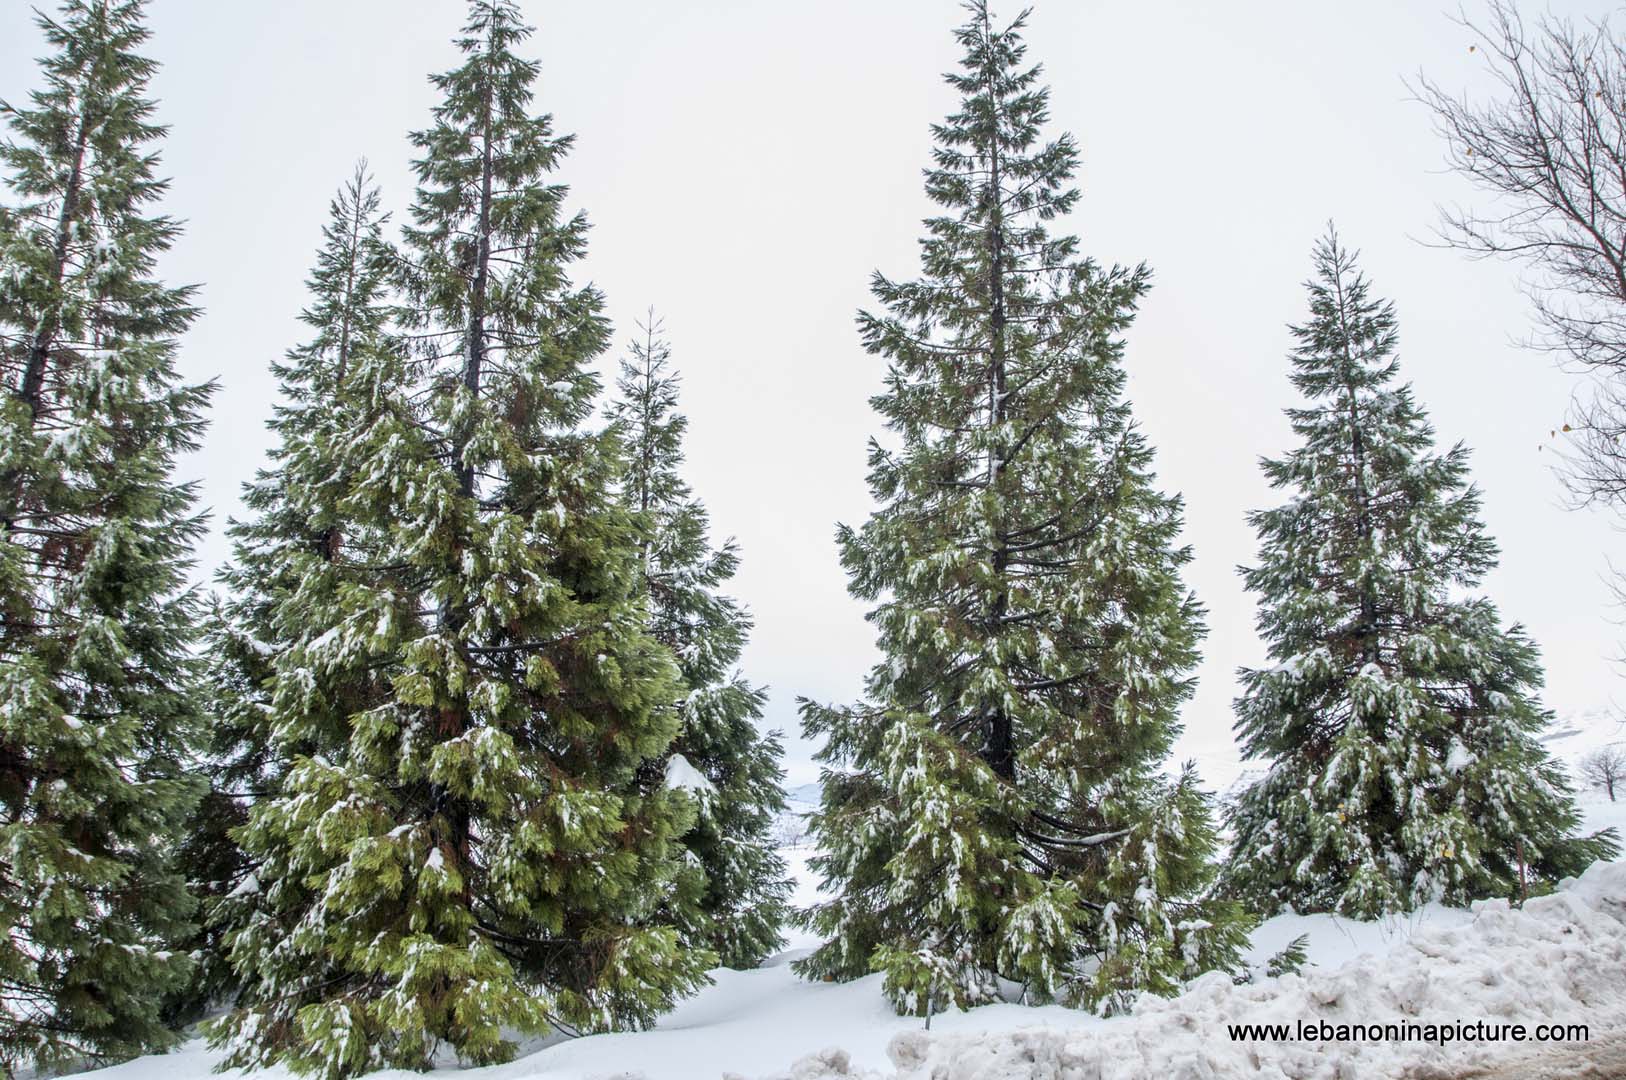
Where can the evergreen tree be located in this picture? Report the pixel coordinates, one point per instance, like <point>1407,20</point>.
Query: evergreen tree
<point>1401,717</point>
<point>476,859</point>
<point>291,558</point>
<point>97,709</point>
<point>742,902</point>
<point>996,806</point>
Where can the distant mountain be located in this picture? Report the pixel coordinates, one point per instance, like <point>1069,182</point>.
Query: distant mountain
<point>1244,780</point>
<point>805,797</point>
<point>1573,736</point>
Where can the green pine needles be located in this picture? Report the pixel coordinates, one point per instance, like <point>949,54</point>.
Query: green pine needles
<point>481,763</point>
<point>731,768</point>
<point>996,809</point>
<point>300,550</point>
<point>459,848</point>
<point>1401,717</point>
<point>97,715</point>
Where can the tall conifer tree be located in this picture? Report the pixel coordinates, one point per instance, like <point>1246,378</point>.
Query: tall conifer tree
<point>1401,717</point>
<point>477,859</point>
<point>997,806</point>
<point>741,903</point>
<point>97,711</point>
<point>294,553</point>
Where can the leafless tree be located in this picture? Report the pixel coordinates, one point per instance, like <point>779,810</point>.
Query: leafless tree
<point>1605,767</point>
<point>1549,148</point>
<point>790,830</point>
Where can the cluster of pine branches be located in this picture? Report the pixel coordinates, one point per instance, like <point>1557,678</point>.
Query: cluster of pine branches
<point>458,749</point>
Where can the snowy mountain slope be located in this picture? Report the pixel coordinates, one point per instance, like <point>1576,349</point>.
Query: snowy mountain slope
<point>1573,737</point>
<point>790,830</point>
<point>805,797</point>
<point>1573,734</point>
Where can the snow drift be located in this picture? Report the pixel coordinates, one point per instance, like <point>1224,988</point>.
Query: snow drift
<point>1559,959</point>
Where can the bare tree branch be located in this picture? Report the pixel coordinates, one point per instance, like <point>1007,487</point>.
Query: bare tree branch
<point>1550,150</point>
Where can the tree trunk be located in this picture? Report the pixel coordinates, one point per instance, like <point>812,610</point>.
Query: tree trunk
<point>39,350</point>
<point>32,388</point>
<point>1366,631</point>
<point>333,539</point>
<point>1001,749</point>
<point>454,616</point>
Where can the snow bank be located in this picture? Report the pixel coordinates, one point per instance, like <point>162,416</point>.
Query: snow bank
<point>1332,941</point>
<point>1438,963</point>
<point>1561,959</point>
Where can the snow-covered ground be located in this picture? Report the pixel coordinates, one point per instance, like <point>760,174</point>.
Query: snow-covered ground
<point>1561,958</point>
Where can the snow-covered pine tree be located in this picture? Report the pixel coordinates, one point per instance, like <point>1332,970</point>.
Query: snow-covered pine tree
<point>294,553</point>
<point>97,698</point>
<point>476,861</point>
<point>1400,718</point>
<point>996,807</point>
<point>739,788</point>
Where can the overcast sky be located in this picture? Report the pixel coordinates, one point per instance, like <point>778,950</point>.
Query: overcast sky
<point>746,165</point>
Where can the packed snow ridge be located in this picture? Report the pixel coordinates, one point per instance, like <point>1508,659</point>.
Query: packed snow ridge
<point>1561,959</point>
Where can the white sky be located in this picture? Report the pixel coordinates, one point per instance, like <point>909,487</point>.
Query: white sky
<point>747,165</point>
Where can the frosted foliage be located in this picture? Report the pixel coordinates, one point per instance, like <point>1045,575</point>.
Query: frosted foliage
<point>997,807</point>
<point>1400,717</point>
